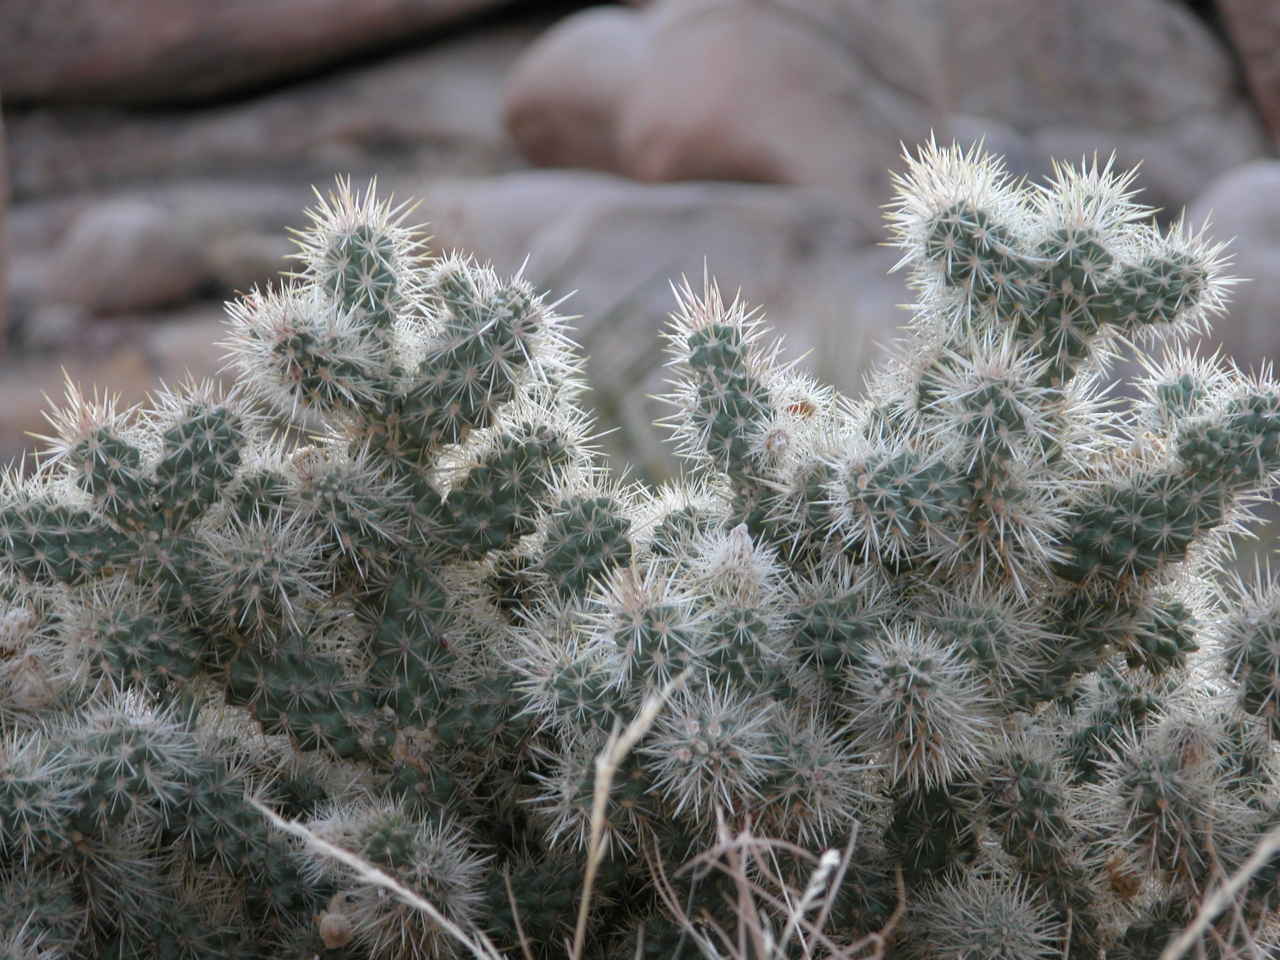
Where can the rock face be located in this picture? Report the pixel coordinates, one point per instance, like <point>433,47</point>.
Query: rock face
<point>437,109</point>
<point>710,90</point>
<point>1254,27</point>
<point>754,92</point>
<point>1245,205</point>
<point>150,51</point>
<point>78,258</point>
<point>571,87</point>
<point>821,92</point>
<point>4,243</point>
<point>127,255</point>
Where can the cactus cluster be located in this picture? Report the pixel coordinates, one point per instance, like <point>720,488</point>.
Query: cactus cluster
<point>966,629</point>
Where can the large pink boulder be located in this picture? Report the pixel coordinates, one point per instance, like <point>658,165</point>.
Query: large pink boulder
<point>822,92</point>
<point>572,86</point>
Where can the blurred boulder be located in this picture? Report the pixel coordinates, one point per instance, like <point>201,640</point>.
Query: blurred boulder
<point>1254,28</point>
<point>438,110</point>
<point>241,260</point>
<point>139,251</point>
<point>126,255</point>
<point>569,89</point>
<point>55,326</point>
<point>498,218</point>
<point>154,51</point>
<point>712,90</point>
<point>4,242</point>
<point>1244,206</point>
<point>821,92</point>
<point>746,91</point>
<point>1145,78</point>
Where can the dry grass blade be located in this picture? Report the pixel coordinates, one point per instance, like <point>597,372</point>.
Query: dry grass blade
<point>614,752</point>
<point>818,886</point>
<point>667,893</point>
<point>478,946</point>
<point>515,915</point>
<point>846,857</point>
<point>754,940</point>
<point>1225,895</point>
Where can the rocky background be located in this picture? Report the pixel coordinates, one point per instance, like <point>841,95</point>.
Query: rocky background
<point>156,150</point>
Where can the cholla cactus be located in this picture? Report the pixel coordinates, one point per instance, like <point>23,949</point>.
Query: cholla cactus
<point>963,629</point>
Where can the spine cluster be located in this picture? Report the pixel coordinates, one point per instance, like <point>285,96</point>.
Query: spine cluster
<point>965,629</point>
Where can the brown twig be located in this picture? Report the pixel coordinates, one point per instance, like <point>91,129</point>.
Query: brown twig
<point>878,937</point>
<point>515,915</point>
